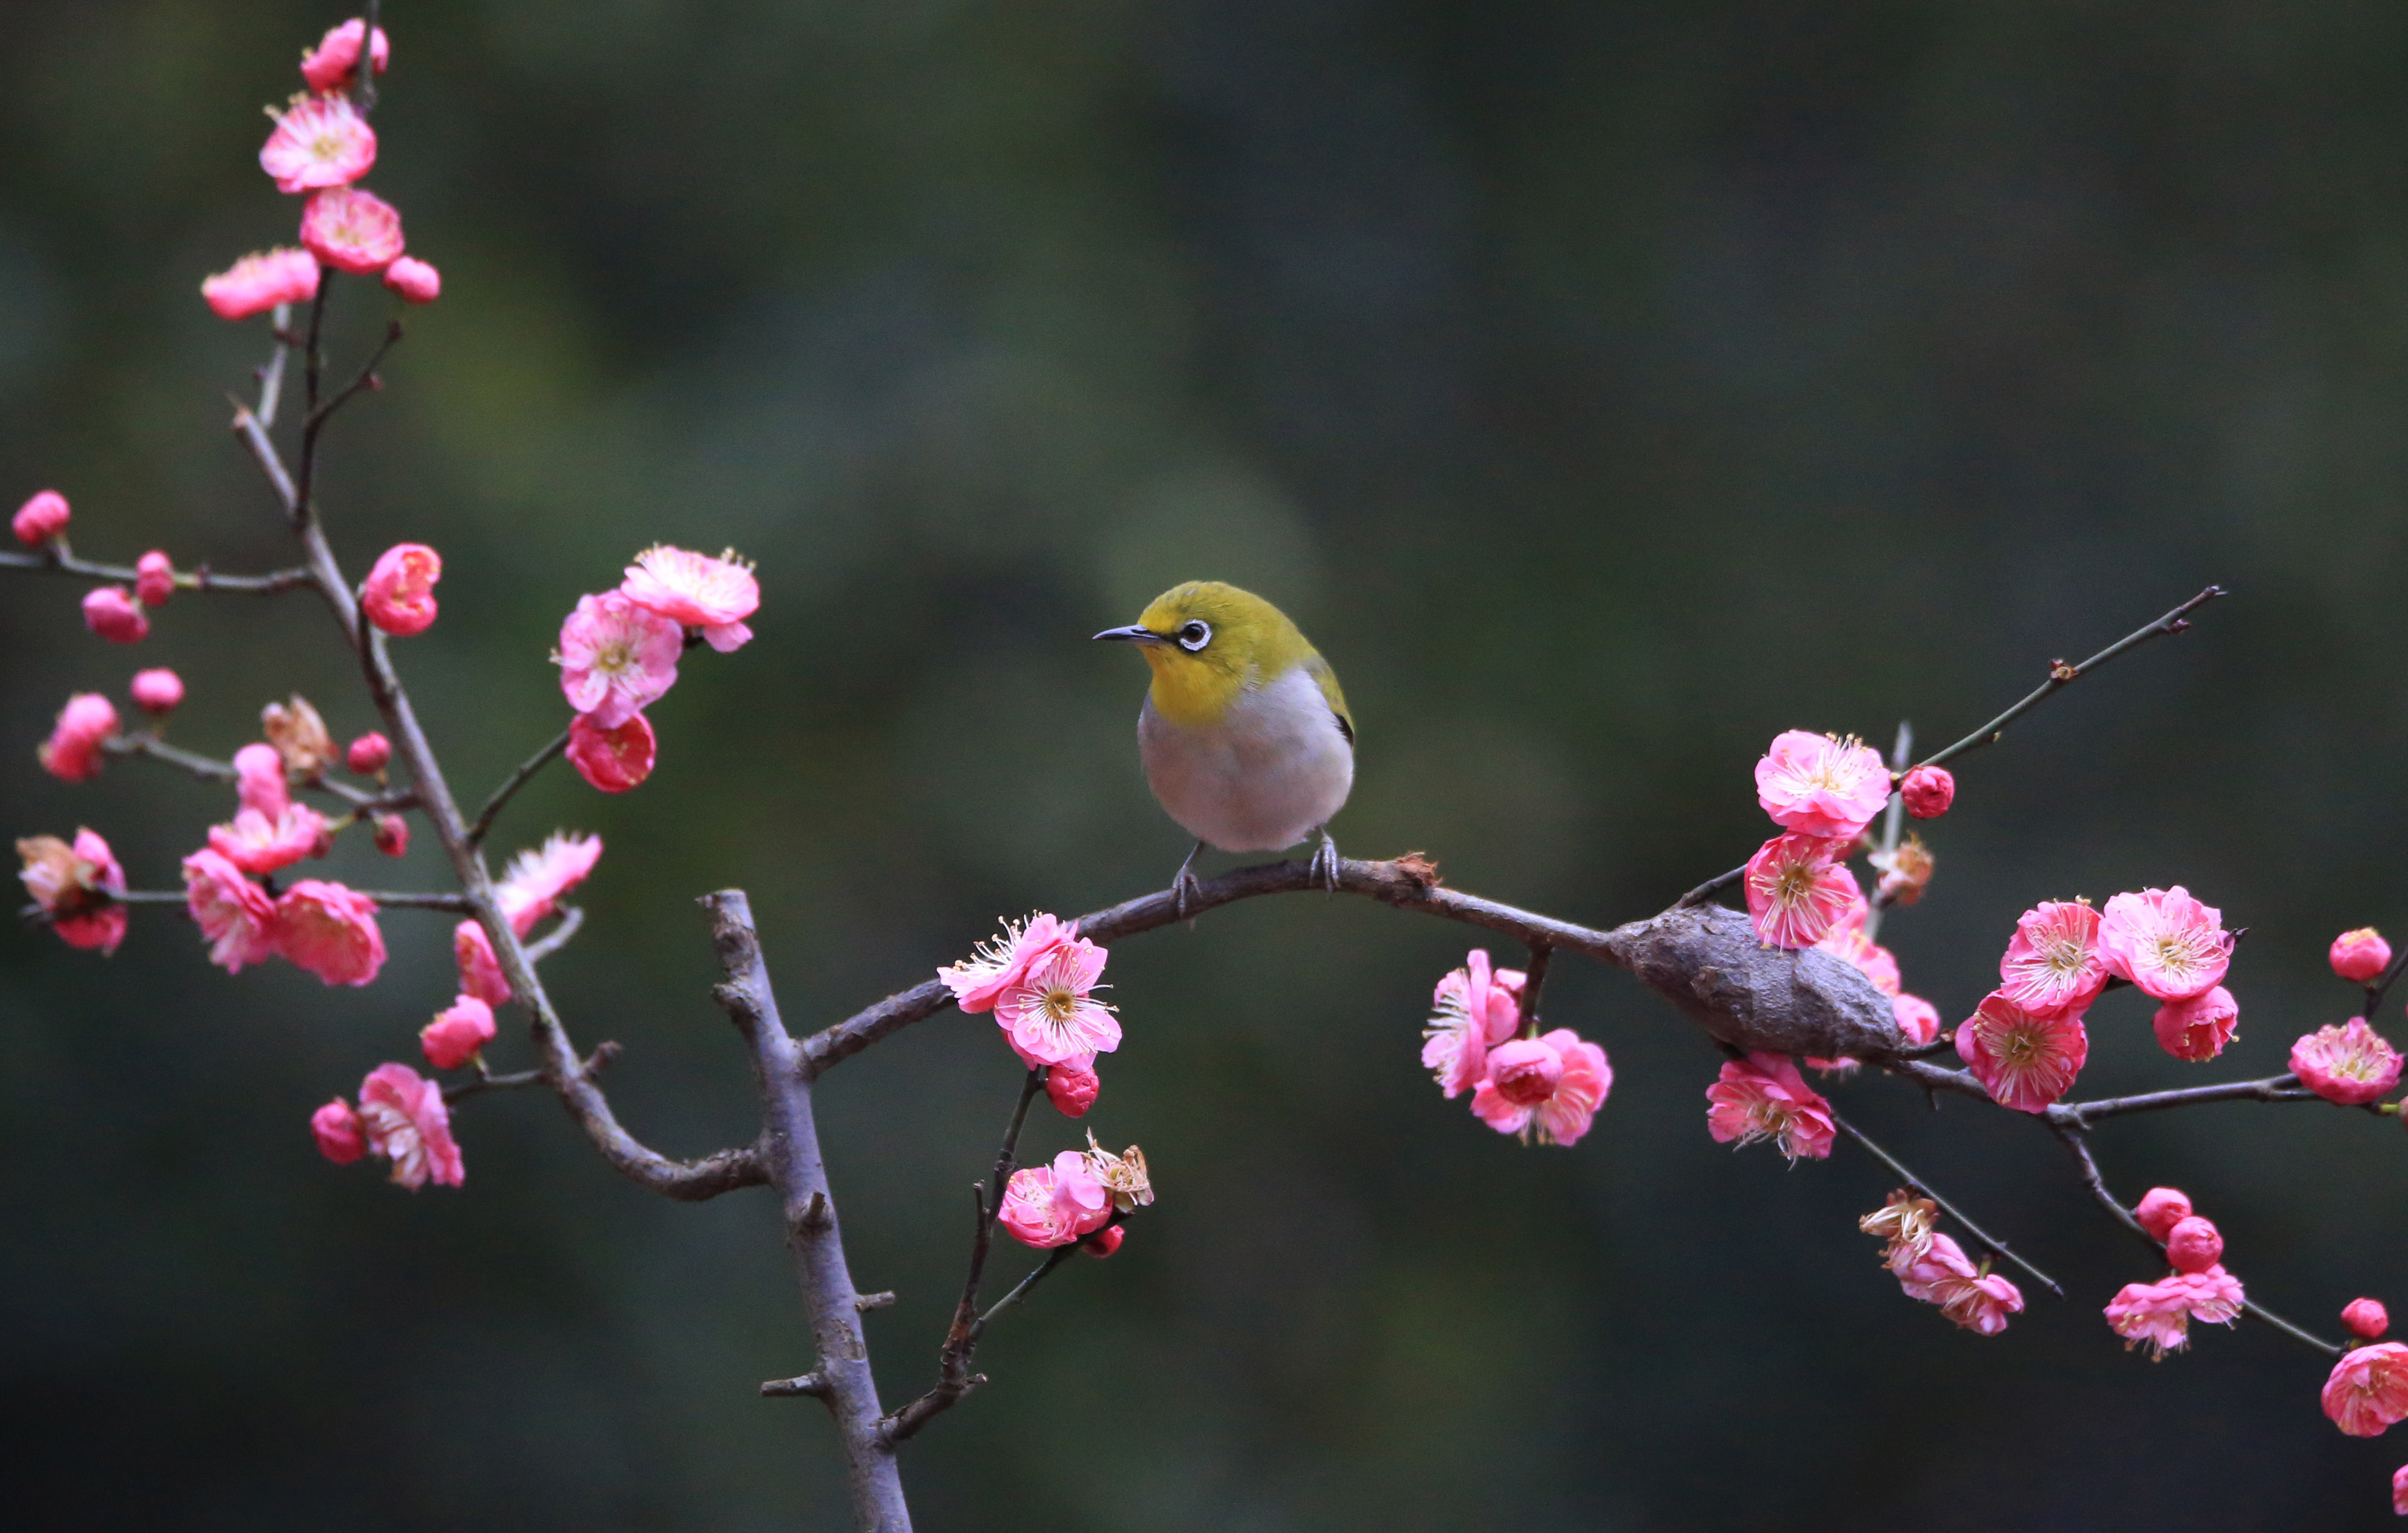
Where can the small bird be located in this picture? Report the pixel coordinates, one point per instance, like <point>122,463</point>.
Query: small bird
<point>1246,736</point>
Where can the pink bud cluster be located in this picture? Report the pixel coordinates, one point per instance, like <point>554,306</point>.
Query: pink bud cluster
<point>1540,1086</point>
<point>1038,978</point>
<point>1075,1198</point>
<point>402,1118</point>
<point>2160,1313</point>
<point>1932,1268</point>
<point>618,652</point>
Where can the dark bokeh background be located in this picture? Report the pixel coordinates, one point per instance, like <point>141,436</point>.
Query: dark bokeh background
<point>1605,386</point>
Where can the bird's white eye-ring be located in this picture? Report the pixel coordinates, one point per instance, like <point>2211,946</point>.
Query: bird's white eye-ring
<point>1194,635</point>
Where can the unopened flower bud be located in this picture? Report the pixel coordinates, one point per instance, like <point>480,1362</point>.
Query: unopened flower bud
<point>2366,1318</point>
<point>157,691</point>
<point>1071,1088</point>
<point>299,736</point>
<point>1928,791</point>
<point>416,280</point>
<point>2399,1491</point>
<point>369,754</point>
<point>1103,1242</point>
<point>399,594</point>
<point>2193,1245</point>
<point>1524,1071</point>
<point>334,65</point>
<point>392,835</point>
<point>337,1131</point>
<point>2161,1210</point>
<point>2358,956</point>
<point>154,579</point>
<point>612,760</point>
<point>455,1034</point>
<point>40,519</point>
<point>112,614</point>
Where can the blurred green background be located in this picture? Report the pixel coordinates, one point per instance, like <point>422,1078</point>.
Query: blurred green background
<point>1605,387</point>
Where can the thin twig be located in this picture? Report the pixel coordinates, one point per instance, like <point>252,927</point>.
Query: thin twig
<point>364,92</point>
<point>313,367</point>
<point>389,899</point>
<point>1534,981</point>
<point>271,378</point>
<point>2381,984</point>
<point>2274,1088</point>
<point>1711,887</point>
<point>1893,820</point>
<point>571,917</point>
<point>60,562</point>
<point>519,779</point>
<point>211,770</point>
<point>1020,1290</point>
<point>366,378</point>
<point>2061,676</point>
<point>1915,1183</point>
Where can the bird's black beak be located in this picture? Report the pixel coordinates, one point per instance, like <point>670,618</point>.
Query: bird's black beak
<point>1136,633</point>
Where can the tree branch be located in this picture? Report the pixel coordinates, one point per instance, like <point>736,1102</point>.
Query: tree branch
<point>366,378</point>
<point>519,779</point>
<point>1893,819</point>
<point>2274,1088</point>
<point>1915,1183</point>
<point>390,900</point>
<point>61,561</point>
<point>211,770</point>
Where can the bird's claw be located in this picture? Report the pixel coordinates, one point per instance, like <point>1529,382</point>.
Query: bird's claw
<point>1323,869</point>
<point>1185,889</point>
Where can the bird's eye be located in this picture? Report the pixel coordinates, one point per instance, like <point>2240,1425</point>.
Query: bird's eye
<point>1195,635</point>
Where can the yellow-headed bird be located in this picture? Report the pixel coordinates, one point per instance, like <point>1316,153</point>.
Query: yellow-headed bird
<point>1245,734</point>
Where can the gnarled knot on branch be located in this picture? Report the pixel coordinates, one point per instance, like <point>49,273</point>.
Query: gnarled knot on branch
<point>1706,960</point>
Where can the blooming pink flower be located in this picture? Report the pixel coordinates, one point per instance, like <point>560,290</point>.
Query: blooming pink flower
<point>1905,1222</point>
<point>2366,1318</point>
<point>2025,1060</point>
<point>392,835</point>
<point>615,657</point>
<point>2368,1389</point>
<point>72,753</point>
<point>43,517</point>
<point>369,754</point>
<point>1917,1018</point>
<point>1928,791</point>
<point>154,579</point>
<point>2194,1244</point>
<point>1543,1088</point>
<point>2160,1314</point>
<point>1764,1098</point>
<point>612,760</point>
<point>2165,942</point>
<point>1941,1275</point>
<point>2161,1209</point>
<point>2199,1028</point>
<point>334,63</point>
<point>233,913</point>
<point>416,282</point>
<point>2052,964</point>
<point>352,230</point>
<point>399,596</point>
<point>73,885</point>
<point>115,616</point>
<point>261,281</point>
<point>480,972</point>
<point>157,691</point>
<point>259,780</point>
<point>697,590</point>
<point>319,142</point>
<point>407,1125</point>
<point>1796,889</point>
<point>257,844</point>
<point>995,966</point>
<point>457,1032</point>
<point>531,887</point>
<point>1474,1007</point>
<point>2350,1065</point>
<point>1821,785</point>
<point>1051,1015</point>
<point>2358,956</point>
<point>1848,942</point>
<point>1046,1206</point>
<point>331,931</point>
<point>1072,1085</point>
<point>340,1136</point>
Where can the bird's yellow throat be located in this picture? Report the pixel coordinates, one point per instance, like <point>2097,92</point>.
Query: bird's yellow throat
<point>1189,692</point>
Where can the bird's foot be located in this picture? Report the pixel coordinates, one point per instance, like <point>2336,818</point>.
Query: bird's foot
<point>1186,890</point>
<point>1323,869</point>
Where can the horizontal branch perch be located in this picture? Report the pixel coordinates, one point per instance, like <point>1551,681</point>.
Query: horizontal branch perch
<point>60,562</point>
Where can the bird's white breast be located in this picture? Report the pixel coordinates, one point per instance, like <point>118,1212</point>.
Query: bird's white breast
<point>1270,769</point>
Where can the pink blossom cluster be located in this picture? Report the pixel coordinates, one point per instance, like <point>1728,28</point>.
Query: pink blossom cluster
<point>2160,1313</point>
<point>1763,1097</point>
<point>401,1117</point>
<point>114,612</point>
<point>1932,1268</point>
<point>1075,1198</point>
<point>321,146</point>
<point>1543,1087</point>
<point>618,650</point>
<point>1038,978</point>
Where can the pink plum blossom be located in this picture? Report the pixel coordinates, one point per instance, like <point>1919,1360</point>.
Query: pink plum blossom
<point>1072,1085</point>
<point>408,1123</point>
<point>2366,1318</point>
<point>2165,942</point>
<point>2194,1244</point>
<point>72,753</point>
<point>1906,1224</point>
<point>2025,1060</point>
<point>2368,1389</point>
<point>1124,1175</point>
<point>2199,1028</point>
<point>480,972</point>
<point>1546,1089</point>
<point>1928,792</point>
<point>42,518</point>
<point>154,579</point>
<point>331,931</point>
<point>1050,1014</point>
<point>157,691</point>
<point>115,616</point>
<point>615,657</point>
<point>2160,1313</point>
<point>259,780</point>
<point>369,754</point>
<point>2350,1064</point>
<point>1917,1018</point>
<point>697,590</point>
<point>1979,1302</point>
<point>2161,1209</point>
<point>319,142</point>
<point>234,914</point>
<point>612,760</point>
<point>1821,785</point>
<point>1764,1098</point>
<point>995,966</point>
<point>341,1137</point>
<point>1045,1206</point>
<point>73,885</point>
<point>1905,871</point>
<point>399,594</point>
<point>457,1032</point>
<point>532,885</point>
<point>1472,1008</point>
<point>2053,965</point>
<point>334,65</point>
<point>352,230</point>
<point>260,281</point>
<point>256,843</point>
<point>1797,889</point>
<point>2358,956</point>
<point>415,280</point>
<point>392,835</point>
